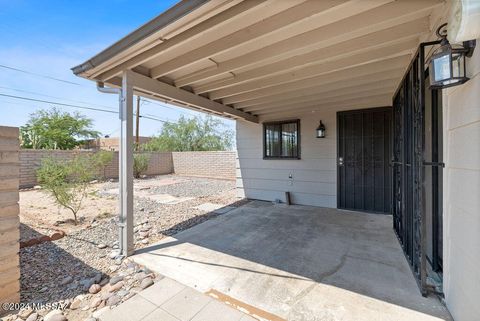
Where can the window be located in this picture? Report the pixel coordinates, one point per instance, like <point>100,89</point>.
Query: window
<point>281,140</point>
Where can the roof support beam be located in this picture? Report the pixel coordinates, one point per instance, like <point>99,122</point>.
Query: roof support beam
<point>384,85</point>
<point>214,22</point>
<point>396,50</point>
<point>125,169</point>
<point>357,73</point>
<point>142,83</point>
<point>331,99</point>
<point>294,45</point>
<point>335,86</point>
<point>323,65</point>
<point>264,27</point>
<point>320,52</point>
<point>372,101</point>
<point>383,17</point>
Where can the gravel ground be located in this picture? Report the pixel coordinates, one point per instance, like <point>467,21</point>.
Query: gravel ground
<point>85,254</point>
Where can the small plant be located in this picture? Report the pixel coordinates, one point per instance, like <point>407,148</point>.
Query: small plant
<point>101,159</point>
<point>140,164</point>
<point>67,181</point>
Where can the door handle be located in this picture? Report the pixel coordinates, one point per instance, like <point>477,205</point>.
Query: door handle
<point>340,161</point>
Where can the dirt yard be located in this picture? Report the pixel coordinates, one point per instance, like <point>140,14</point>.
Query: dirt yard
<point>66,269</point>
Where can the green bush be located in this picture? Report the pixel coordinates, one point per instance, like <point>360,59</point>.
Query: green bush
<point>101,159</point>
<point>140,164</point>
<point>67,181</point>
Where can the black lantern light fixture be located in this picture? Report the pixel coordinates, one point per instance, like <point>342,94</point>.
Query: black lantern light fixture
<point>447,63</point>
<point>321,130</point>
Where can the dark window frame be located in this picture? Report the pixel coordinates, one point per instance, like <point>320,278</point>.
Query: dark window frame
<point>290,121</point>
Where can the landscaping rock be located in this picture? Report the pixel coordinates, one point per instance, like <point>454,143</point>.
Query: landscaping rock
<point>97,278</point>
<point>32,317</point>
<point>102,246</point>
<point>96,302</point>
<point>140,276</point>
<point>146,283</point>
<point>122,293</point>
<point>113,300</point>
<point>86,283</point>
<point>114,254</point>
<point>99,312</point>
<point>25,313</point>
<point>104,282</point>
<point>56,236</point>
<point>79,252</point>
<point>114,280</point>
<point>55,315</point>
<point>66,280</point>
<point>94,288</point>
<point>77,302</point>
<point>116,287</point>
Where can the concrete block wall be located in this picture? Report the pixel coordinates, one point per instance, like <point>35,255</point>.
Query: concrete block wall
<point>216,164</point>
<point>9,219</point>
<point>31,159</point>
<point>159,163</point>
<point>203,164</point>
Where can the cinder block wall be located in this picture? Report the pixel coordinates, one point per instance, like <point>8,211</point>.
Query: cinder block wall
<point>9,219</point>
<point>160,163</point>
<point>30,161</point>
<point>219,164</point>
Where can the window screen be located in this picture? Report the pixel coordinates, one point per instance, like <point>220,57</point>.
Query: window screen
<point>282,139</point>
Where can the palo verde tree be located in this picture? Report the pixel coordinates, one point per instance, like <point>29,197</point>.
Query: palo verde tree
<point>192,134</point>
<point>67,180</point>
<point>54,129</point>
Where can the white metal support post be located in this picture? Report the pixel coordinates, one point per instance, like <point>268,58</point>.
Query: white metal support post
<point>126,166</point>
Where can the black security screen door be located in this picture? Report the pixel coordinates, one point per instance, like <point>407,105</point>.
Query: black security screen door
<point>364,152</point>
<point>417,171</point>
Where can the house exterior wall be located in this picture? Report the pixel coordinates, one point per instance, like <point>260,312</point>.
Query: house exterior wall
<point>461,110</point>
<point>9,219</point>
<point>313,176</point>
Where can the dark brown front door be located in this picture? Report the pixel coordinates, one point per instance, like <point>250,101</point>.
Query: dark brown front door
<point>364,152</point>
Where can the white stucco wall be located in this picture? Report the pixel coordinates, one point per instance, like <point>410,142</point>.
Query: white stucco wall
<point>462,195</point>
<point>314,175</point>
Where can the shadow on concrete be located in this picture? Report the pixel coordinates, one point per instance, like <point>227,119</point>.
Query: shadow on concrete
<point>257,246</point>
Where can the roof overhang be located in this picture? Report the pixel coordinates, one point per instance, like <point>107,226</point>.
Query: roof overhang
<point>267,58</point>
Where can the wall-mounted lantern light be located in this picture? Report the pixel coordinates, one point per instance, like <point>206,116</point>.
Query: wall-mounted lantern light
<point>447,63</point>
<point>321,130</point>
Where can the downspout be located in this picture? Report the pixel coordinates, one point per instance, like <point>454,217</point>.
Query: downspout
<point>121,222</point>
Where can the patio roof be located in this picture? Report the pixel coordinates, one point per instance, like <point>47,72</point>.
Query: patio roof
<point>261,59</point>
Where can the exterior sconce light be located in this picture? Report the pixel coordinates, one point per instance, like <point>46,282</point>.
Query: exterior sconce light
<point>447,63</point>
<point>321,130</point>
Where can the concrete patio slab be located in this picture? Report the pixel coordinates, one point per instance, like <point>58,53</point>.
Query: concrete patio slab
<point>168,300</point>
<point>299,263</point>
<point>215,208</point>
<point>209,207</point>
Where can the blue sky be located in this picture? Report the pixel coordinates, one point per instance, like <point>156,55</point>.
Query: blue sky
<point>50,37</point>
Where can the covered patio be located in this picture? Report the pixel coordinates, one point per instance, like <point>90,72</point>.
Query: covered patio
<point>287,64</point>
<point>298,263</point>
<point>263,60</point>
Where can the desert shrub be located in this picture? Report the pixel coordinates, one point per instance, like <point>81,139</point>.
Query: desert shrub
<point>67,180</point>
<point>101,159</point>
<point>140,164</point>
